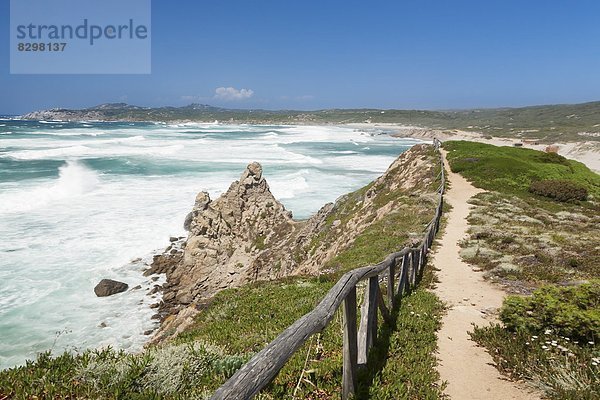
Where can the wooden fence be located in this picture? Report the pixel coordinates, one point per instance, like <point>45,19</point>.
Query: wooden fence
<point>406,266</point>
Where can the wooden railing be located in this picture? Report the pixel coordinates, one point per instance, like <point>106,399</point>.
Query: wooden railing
<point>407,263</point>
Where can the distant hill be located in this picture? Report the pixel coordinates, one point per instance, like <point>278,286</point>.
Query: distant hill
<point>549,122</point>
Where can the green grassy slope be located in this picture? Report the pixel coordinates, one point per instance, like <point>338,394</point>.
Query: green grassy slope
<point>511,170</point>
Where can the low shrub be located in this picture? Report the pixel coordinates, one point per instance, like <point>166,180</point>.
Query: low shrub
<point>564,370</point>
<point>573,312</point>
<point>559,190</point>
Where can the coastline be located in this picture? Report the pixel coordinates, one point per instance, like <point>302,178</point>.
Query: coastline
<point>586,152</point>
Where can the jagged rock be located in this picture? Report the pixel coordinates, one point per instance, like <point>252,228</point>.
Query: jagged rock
<point>108,287</point>
<point>247,235</point>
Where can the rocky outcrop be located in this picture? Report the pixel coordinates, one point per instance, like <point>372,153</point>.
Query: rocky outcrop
<point>246,235</point>
<point>108,287</point>
<point>228,243</point>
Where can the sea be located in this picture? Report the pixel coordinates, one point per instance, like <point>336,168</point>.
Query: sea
<point>83,201</point>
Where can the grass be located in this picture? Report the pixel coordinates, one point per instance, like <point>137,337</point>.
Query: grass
<point>403,363</point>
<point>511,170</point>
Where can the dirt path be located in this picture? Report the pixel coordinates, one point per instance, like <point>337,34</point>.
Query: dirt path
<point>468,369</point>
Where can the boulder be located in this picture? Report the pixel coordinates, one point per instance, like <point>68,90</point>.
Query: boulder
<point>108,287</point>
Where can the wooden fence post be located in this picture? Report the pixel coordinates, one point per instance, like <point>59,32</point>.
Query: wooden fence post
<point>403,275</point>
<point>367,332</point>
<point>390,286</point>
<point>415,267</point>
<point>350,346</point>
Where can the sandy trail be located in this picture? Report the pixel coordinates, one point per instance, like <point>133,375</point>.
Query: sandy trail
<point>468,369</point>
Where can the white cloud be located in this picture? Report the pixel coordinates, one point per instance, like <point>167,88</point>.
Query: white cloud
<point>232,94</point>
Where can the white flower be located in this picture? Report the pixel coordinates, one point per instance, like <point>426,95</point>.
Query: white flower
<point>545,347</point>
<point>548,331</point>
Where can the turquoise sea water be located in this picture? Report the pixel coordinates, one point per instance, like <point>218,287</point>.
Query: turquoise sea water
<point>80,201</point>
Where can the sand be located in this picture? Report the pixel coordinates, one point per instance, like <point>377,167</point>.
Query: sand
<point>467,368</point>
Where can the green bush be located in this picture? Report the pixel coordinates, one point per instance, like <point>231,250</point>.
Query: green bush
<point>573,312</point>
<point>559,190</point>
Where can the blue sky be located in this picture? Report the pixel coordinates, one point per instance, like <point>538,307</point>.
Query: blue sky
<point>325,54</point>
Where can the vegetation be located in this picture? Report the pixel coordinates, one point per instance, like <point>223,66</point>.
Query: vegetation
<point>174,371</point>
<point>520,238</point>
<point>511,170</point>
<point>238,323</point>
<point>550,338</point>
<point>407,217</point>
<point>559,190</point>
<point>573,312</point>
<point>403,363</point>
<point>528,229</point>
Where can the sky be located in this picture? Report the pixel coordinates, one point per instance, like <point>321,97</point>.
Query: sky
<point>342,54</point>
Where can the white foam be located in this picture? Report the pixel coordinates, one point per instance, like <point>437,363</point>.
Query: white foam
<point>85,151</point>
<point>74,180</point>
<point>60,236</point>
<point>289,186</point>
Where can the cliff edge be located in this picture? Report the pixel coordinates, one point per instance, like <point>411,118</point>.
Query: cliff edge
<point>247,235</point>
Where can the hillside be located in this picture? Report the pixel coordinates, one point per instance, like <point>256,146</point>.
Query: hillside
<point>360,229</point>
<point>568,122</point>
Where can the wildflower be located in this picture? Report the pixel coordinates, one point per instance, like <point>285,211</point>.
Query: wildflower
<point>534,337</point>
<point>590,342</point>
<point>545,347</point>
<point>527,343</point>
<point>548,331</point>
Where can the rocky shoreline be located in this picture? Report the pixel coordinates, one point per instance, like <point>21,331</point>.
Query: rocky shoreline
<point>246,235</point>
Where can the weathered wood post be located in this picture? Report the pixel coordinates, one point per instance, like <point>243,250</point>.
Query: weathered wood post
<point>367,331</point>
<point>390,285</point>
<point>350,346</point>
<point>403,275</point>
